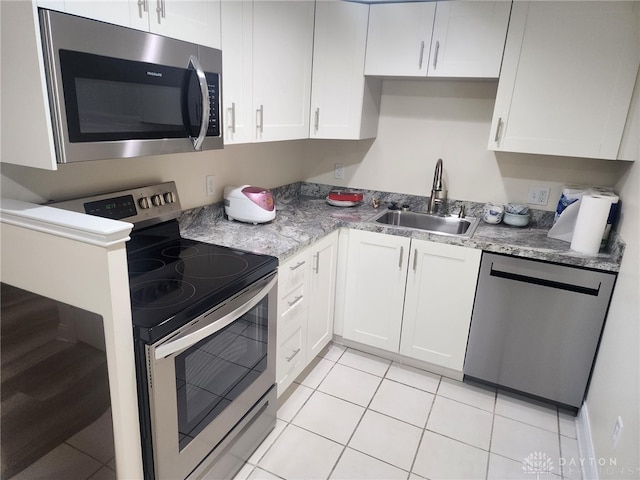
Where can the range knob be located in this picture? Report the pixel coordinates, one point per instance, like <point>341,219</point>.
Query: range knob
<point>157,200</point>
<point>144,203</point>
<point>169,197</point>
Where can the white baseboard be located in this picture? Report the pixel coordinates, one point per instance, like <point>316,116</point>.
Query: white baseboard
<point>585,443</point>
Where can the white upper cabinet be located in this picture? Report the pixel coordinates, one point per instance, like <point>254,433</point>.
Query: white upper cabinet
<point>282,54</point>
<point>237,71</point>
<point>437,39</point>
<point>468,39</point>
<point>196,21</point>
<point>344,103</point>
<point>399,38</point>
<point>567,78</point>
<point>268,47</point>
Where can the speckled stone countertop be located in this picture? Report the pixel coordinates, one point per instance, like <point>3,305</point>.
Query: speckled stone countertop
<point>303,217</point>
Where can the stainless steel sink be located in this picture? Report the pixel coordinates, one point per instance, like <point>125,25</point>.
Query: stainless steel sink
<point>443,225</point>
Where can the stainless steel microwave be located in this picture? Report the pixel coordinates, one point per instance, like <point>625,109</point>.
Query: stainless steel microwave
<point>116,92</point>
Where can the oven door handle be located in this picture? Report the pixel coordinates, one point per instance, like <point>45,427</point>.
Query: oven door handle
<point>181,343</point>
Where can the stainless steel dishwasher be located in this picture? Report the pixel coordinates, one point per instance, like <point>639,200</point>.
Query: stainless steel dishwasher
<point>535,327</point>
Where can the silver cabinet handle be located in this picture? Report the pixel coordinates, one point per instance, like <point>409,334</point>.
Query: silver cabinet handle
<point>142,7</point>
<point>293,354</point>
<point>297,265</point>
<point>316,122</point>
<point>160,9</point>
<point>415,259</point>
<point>296,300</point>
<point>401,255</point>
<point>317,267</point>
<point>435,55</point>
<point>260,118</point>
<point>498,129</point>
<point>421,55</point>
<point>204,91</point>
<point>232,119</point>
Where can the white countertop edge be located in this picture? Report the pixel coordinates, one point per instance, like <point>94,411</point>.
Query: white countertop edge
<point>102,232</point>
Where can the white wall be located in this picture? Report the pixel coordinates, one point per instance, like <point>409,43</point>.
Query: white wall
<point>423,120</point>
<point>615,385</point>
<point>267,165</point>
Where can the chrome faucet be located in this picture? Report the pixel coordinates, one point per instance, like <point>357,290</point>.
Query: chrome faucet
<point>438,193</point>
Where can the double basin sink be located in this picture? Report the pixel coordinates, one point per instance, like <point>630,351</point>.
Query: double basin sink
<point>444,225</point>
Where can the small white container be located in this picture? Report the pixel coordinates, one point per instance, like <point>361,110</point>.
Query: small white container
<point>515,219</point>
<point>492,213</point>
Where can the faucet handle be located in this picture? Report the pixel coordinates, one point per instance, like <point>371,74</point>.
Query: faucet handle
<point>462,212</point>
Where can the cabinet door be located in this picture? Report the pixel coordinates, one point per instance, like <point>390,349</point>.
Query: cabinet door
<point>399,38</point>
<point>374,294</point>
<point>567,78</point>
<point>237,70</point>
<point>344,105</point>
<point>119,13</point>
<point>196,21</point>
<point>468,39</point>
<point>322,294</point>
<point>441,286</point>
<point>282,51</point>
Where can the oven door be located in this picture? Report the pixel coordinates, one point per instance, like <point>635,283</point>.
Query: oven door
<point>205,378</point>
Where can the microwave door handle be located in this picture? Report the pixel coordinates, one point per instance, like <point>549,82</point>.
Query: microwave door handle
<point>204,92</point>
<point>182,343</point>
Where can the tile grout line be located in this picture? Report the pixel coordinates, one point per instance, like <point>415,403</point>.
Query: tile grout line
<point>345,446</point>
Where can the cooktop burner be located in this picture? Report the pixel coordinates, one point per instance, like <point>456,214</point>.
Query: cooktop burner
<point>174,280</point>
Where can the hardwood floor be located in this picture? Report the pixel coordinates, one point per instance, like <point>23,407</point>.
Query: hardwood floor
<point>50,388</point>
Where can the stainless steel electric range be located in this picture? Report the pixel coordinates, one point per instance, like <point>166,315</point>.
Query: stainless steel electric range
<point>204,337</point>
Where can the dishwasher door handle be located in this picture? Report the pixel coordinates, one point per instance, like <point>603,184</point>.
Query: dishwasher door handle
<point>545,283</point>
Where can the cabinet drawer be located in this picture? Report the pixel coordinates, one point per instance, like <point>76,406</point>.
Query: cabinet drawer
<point>290,355</point>
<point>294,269</point>
<point>292,306</point>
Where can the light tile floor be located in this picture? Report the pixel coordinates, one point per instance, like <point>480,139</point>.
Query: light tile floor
<point>357,416</point>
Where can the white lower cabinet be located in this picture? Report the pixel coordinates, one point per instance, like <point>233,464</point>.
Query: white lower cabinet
<point>374,293</point>
<point>411,297</point>
<point>306,295</point>
<point>441,285</point>
<point>322,294</point>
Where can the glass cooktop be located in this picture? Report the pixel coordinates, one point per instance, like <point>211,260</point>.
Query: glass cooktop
<point>174,281</point>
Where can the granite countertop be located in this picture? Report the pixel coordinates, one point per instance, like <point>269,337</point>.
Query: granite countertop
<point>301,220</point>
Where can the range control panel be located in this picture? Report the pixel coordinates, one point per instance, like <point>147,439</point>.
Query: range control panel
<point>142,206</point>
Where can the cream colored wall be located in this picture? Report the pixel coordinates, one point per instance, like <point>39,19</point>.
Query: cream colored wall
<point>421,121</point>
<point>615,385</point>
<point>267,165</point>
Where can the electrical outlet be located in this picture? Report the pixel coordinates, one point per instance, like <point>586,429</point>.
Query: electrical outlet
<point>617,431</point>
<point>538,195</point>
<point>338,172</point>
<point>211,185</point>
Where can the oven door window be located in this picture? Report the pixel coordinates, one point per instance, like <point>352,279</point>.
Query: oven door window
<point>215,371</point>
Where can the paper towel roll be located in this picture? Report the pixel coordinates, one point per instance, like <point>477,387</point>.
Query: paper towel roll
<point>591,223</point>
